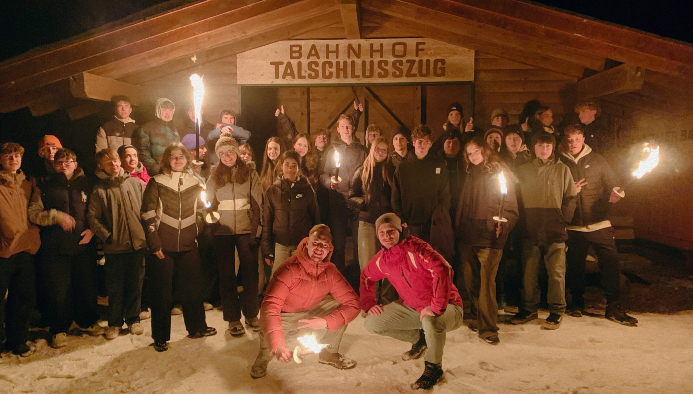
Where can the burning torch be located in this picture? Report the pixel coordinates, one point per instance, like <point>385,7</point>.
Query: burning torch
<point>649,163</point>
<point>503,191</point>
<point>336,178</point>
<point>198,94</point>
<point>308,345</point>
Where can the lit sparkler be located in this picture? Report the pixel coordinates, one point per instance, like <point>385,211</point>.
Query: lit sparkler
<point>203,195</point>
<point>649,163</point>
<point>308,345</point>
<point>198,94</point>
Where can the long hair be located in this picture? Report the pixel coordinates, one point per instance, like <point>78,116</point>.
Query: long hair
<point>165,162</point>
<point>490,157</point>
<point>309,162</point>
<point>269,170</point>
<point>223,174</point>
<point>369,168</point>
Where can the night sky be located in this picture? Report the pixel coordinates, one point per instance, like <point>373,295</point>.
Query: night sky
<point>25,24</point>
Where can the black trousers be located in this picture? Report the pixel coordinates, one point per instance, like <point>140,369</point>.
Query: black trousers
<point>17,279</point>
<point>224,246</point>
<point>604,245</point>
<point>182,271</point>
<point>70,282</point>
<point>209,266</point>
<point>342,218</point>
<point>124,275</point>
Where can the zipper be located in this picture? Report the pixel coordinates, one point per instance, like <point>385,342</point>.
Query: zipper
<point>405,278</point>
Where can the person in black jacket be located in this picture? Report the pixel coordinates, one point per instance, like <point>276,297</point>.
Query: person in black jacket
<point>481,238</point>
<point>597,189</point>
<point>69,252</point>
<point>290,211</point>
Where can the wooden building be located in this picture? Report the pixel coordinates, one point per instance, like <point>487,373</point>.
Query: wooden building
<point>519,51</point>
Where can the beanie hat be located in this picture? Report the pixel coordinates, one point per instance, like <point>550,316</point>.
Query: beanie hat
<point>49,140</point>
<point>499,112</point>
<point>189,141</point>
<point>455,107</point>
<point>400,130</point>
<point>227,141</point>
<point>514,129</point>
<point>493,130</point>
<point>160,102</point>
<point>389,218</point>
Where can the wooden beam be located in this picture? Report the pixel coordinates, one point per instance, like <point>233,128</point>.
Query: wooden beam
<point>90,86</point>
<point>9,103</point>
<point>621,79</point>
<point>350,17</point>
<point>84,109</point>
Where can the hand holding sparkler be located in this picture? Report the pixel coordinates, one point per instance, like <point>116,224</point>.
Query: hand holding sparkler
<point>334,181</point>
<point>283,354</point>
<point>308,345</point>
<point>503,191</point>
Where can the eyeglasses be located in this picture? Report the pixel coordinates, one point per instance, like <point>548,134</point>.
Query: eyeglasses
<point>61,163</point>
<point>228,153</point>
<point>383,151</point>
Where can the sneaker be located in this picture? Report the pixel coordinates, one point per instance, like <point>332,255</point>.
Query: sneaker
<point>417,349</point>
<point>207,332</point>
<point>473,325</point>
<point>552,322</point>
<point>208,306</point>
<point>336,360</point>
<point>93,330</point>
<point>136,328</point>
<point>176,310</point>
<point>576,312</point>
<point>160,346</point>
<point>492,339</point>
<point>433,373</point>
<point>144,315</point>
<point>616,314</point>
<point>259,368</point>
<point>59,340</point>
<point>236,329</point>
<point>112,333</point>
<point>253,324</point>
<point>523,316</point>
<point>24,350</point>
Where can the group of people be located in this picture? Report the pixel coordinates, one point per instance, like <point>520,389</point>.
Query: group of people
<point>176,212</point>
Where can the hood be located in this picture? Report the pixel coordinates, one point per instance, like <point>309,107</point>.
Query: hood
<point>10,179</point>
<point>586,150</point>
<point>307,263</point>
<point>159,102</point>
<point>140,169</point>
<point>101,174</point>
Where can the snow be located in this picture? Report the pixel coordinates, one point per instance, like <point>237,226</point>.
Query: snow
<point>585,355</point>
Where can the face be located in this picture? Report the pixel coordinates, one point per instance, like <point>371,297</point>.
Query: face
<point>499,121</point>
<point>421,147</point>
<point>228,118</point>
<point>320,142</point>
<point>167,114</point>
<point>587,115</point>
<point>493,140</point>
<point>51,149</point>
<point>513,142</point>
<point>546,118</point>
<point>273,150</point>
<point>290,169</point>
<point>11,161</point>
<point>227,156</point>
<point>301,146</point>
<point>130,161</point>
<point>451,147</point>
<point>345,129</point>
<point>380,152</point>
<point>123,109</point>
<point>400,143</point>
<point>318,248</point>
<point>474,154</point>
<point>191,114</point>
<point>66,166</point>
<point>246,156</point>
<point>203,152</point>
<point>455,117</point>
<point>388,235</point>
<point>372,135</point>
<point>574,142</point>
<point>543,150</point>
<point>110,166</point>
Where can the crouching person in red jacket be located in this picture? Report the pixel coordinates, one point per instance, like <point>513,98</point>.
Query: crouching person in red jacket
<point>306,293</point>
<point>430,304</point>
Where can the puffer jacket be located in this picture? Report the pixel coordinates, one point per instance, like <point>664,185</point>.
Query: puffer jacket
<point>290,211</point>
<point>299,285</point>
<point>239,205</point>
<point>593,199</point>
<point>114,212</point>
<point>17,234</point>
<point>420,275</point>
<point>151,140</point>
<point>379,201</point>
<point>173,211</point>
<point>115,133</point>
<point>351,157</point>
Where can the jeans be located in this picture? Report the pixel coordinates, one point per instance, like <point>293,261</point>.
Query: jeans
<point>124,275</point>
<point>281,254</point>
<point>17,280</point>
<point>480,266</point>
<point>554,259</point>
<point>224,246</point>
<point>604,245</point>
<point>367,243</point>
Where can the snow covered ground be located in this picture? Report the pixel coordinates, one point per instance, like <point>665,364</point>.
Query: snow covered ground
<point>586,355</point>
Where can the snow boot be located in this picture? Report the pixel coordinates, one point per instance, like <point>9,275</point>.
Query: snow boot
<point>417,349</point>
<point>259,368</point>
<point>253,324</point>
<point>433,373</point>
<point>616,314</point>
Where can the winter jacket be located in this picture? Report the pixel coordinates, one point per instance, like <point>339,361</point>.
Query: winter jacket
<point>286,129</point>
<point>449,130</point>
<point>396,159</point>
<point>238,204</point>
<point>151,140</point>
<point>457,172</point>
<point>240,134</point>
<point>380,199</point>
<point>115,133</point>
<point>290,211</point>
<point>421,185</point>
<point>419,274</point>
<point>514,161</point>
<point>141,173</point>
<point>547,194</point>
<point>593,199</point>
<point>299,285</point>
<point>114,212</point>
<point>351,157</point>
<point>188,127</point>
<point>480,202</point>
<point>17,234</point>
<point>596,133</point>
<point>58,194</point>
<point>173,212</point>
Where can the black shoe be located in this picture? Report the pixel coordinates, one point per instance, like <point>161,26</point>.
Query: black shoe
<point>492,339</point>
<point>473,325</point>
<point>523,316</point>
<point>431,376</point>
<point>23,350</point>
<point>207,332</point>
<point>160,346</point>
<point>616,314</point>
<point>552,322</point>
<point>417,349</point>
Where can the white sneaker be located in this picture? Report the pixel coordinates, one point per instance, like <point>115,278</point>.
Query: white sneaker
<point>59,340</point>
<point>112,332</point>
<point>94,330</point>
<point>136,328</point>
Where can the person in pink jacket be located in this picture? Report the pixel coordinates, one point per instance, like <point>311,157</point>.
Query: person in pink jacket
<point>306,293</point>
<point>430,304</point>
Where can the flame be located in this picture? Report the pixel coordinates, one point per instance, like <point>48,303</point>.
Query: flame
<point>648,164</point>
<point>309,342</point>
<point>501,181</point>
<point>198,93</point>
<point>203,195</point>
<point>336,158</point>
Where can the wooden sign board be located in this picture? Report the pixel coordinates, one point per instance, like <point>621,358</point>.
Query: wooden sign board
<point>334,62</point>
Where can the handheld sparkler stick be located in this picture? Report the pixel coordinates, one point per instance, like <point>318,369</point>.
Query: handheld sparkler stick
<point>198,94</point>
